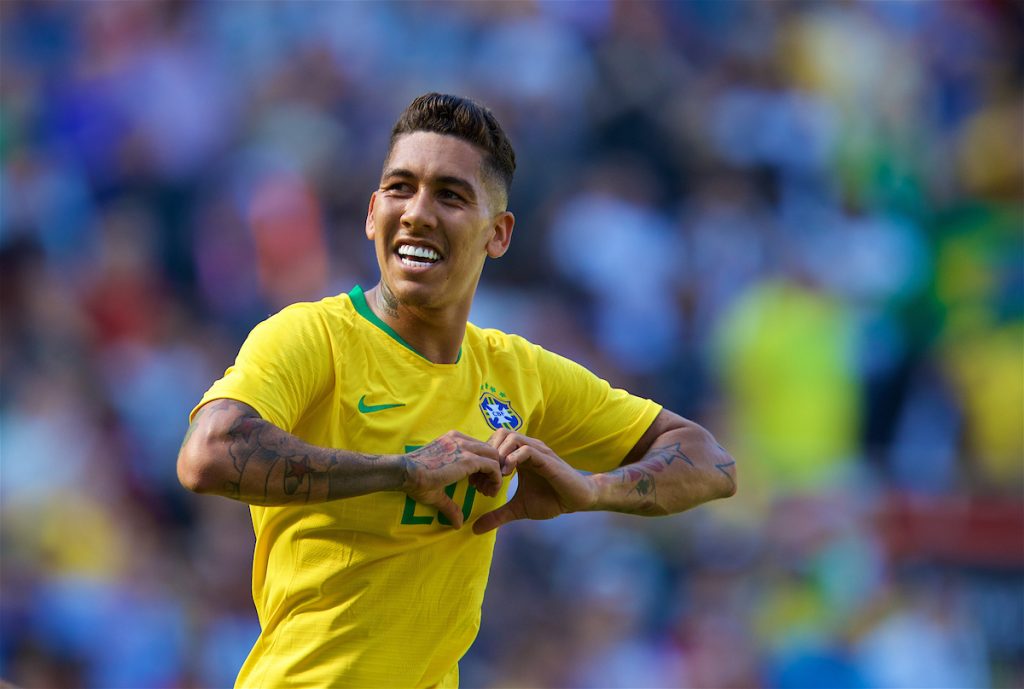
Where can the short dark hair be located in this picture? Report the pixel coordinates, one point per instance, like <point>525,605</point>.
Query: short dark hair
<point>465,119</point>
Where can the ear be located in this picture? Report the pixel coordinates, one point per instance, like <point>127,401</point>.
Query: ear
<point>370,227</point>
<point>501,234</point>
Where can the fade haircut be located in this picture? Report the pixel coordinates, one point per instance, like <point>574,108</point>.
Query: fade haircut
<point>467,120</point>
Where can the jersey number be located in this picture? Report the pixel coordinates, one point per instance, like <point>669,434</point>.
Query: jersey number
<point>409,515</point>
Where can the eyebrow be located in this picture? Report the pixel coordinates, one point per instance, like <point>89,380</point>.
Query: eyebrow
<point>444,180</point>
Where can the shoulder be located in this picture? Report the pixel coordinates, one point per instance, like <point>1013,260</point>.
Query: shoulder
<point>496,344</point>
<point>335,310</point>
<point>308,322</point>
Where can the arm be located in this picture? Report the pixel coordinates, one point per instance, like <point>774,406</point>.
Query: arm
<point>230,450</point>
<point>676,465</point>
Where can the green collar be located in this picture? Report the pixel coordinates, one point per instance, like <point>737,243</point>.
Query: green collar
<point>358,298</point>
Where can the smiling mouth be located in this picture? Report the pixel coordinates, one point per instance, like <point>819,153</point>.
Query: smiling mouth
<point>417,256</point>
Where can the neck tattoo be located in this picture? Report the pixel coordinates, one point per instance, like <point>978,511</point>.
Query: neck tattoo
<point>386,300</point>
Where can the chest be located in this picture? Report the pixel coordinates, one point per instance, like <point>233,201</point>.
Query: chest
<point>385,407</point>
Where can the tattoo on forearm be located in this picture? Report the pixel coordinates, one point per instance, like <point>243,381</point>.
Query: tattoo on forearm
<point>238,450</point>
<point>669,454</point>
<point>294,472</point>
<point>334,482</point>
<point>641,478</point>
<point>645,486</point>
<point>642,481</point>
<point>260,452</point>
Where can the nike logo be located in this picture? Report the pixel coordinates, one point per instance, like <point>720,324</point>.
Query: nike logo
<point>371,408</point>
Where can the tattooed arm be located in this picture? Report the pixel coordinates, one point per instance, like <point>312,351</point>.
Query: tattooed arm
<point>676,465</point>
<point>230,450</point>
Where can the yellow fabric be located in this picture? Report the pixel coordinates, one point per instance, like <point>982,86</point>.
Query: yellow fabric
<point>373,591</point>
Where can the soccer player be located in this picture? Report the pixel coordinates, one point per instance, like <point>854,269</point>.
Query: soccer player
<point>366,429</point>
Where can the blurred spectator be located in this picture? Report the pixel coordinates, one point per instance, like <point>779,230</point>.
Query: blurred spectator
<point>599,235</point>
<point>926,641</point>
<point>786,354</point>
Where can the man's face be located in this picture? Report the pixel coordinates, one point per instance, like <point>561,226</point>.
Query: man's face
<point>434,221</point>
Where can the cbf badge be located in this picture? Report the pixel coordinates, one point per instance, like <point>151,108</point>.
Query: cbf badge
<point>498,412</point>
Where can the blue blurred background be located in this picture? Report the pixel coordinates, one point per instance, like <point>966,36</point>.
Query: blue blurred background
<point>798,223</point>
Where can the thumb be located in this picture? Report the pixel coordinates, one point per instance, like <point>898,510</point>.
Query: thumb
<point>446,506</point>
<point>495,518</point>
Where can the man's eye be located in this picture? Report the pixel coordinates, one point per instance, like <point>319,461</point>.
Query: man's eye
<point>401,187</point>
<point>450,195</point>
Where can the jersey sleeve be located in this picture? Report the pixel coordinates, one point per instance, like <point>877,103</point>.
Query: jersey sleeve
<point>284,366</point>
<point>586,421</point>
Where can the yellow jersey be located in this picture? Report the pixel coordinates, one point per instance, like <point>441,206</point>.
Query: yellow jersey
<point>377,590</point>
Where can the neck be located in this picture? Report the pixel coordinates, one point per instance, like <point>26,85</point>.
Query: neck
<point>436,334</point>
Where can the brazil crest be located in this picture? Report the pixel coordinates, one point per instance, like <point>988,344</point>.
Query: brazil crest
<point>499,413</point>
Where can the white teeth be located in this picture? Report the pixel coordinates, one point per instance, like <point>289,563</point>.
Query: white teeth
<point>408,251</point>
<point>415,263</point>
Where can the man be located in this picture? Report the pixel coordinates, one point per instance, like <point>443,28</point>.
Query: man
<point>365,429</point>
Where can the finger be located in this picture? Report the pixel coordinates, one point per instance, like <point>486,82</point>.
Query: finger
<point>516,458</point>
<point>465,467</point>
<point>544,464</point>
<point>496,437</point>
<point>499,440</point>
<point>532,442</point>
<point>485,484</point>
<point>489,468</point>
<point>514,441</point>
<point>480,483</point>
<point>460,440</point>
<point>509,444</point>
<point>480,448</point>
<point>449,509</point>
<point>495,518</point>
<point>536,459</point>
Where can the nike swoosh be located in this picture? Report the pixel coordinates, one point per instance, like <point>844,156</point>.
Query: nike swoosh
<point>371,408</point>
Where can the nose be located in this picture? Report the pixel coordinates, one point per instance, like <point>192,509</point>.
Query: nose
<point>419,210</point>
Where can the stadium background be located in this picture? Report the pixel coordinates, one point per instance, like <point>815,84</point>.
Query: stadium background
<point>799,223</point>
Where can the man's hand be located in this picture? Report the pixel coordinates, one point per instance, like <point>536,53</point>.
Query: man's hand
<point>548,486</point>
<point>675,466</point>
<point>448,459</point>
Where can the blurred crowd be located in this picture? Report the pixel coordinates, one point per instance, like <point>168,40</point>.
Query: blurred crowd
<point>799,223</point>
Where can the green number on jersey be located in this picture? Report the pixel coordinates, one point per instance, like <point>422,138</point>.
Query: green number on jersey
<point>409,515</point>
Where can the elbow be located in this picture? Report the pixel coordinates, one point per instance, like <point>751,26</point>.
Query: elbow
<point>190,473</point>
<point>197,471</point>
<point>731,486</point>
<point>725,465</point>
<point>722,475</point>
<point>206,461</point>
